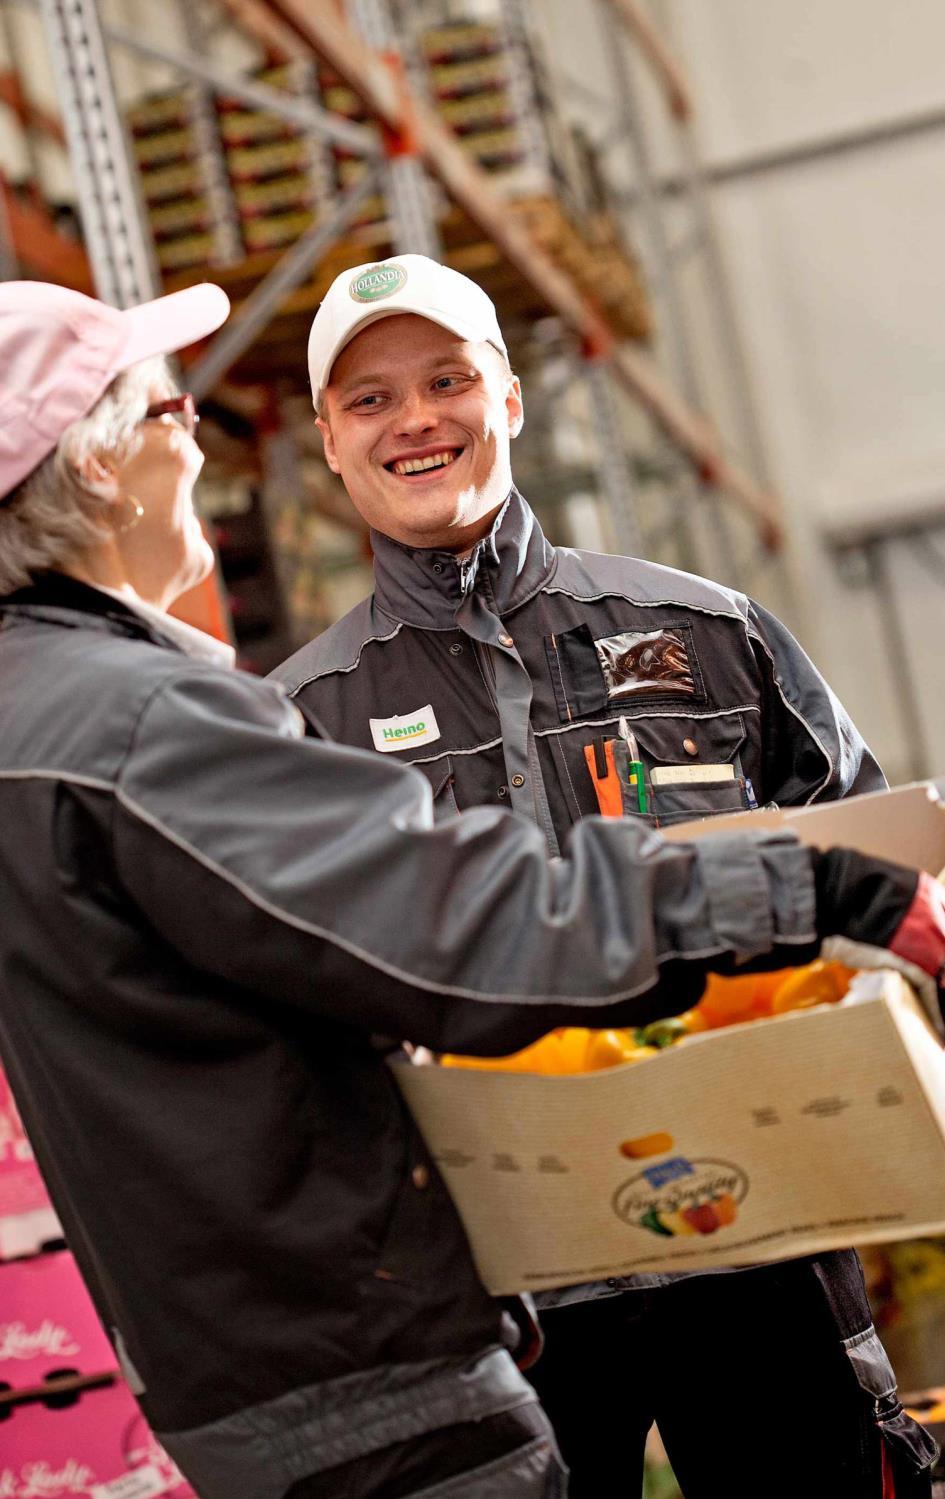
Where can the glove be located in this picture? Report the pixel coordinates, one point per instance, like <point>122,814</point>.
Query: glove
<point>874,914</point>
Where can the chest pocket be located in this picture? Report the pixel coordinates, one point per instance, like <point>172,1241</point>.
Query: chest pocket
<point>440,775</point>
<point>593,674</point>
<point>697,760</point>
<point>689,785</point>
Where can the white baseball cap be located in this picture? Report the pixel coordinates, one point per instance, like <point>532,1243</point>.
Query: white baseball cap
<point>404,283</point>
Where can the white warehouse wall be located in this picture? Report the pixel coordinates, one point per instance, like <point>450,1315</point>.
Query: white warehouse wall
<point>838,266</point>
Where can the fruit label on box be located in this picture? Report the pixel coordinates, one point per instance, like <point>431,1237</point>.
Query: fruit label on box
<point>682,1197</point>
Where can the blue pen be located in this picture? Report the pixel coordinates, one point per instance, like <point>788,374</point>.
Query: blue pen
<point>750,793</point>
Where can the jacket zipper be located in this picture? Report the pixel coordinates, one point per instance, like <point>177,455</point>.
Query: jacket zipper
<point>483,655</point>
<point>487,667</point>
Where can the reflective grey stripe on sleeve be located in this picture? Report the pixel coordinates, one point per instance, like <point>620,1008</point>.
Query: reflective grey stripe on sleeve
<point>874,1372</point>
<point>534,1471</point>
<point>259,1452</point>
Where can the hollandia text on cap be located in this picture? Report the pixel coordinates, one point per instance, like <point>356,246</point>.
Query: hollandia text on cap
<point>402,284</point>
<point>60,350</point>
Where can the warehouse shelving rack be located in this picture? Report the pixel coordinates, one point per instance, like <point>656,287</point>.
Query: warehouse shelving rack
<point>411,148</point>
<point>677,230</point>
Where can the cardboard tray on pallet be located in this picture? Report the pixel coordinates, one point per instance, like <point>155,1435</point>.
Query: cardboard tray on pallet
<point>98,1448</point>
<point>27,1219</point>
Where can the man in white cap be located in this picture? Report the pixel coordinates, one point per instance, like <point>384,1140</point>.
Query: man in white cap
<point>511,673</point>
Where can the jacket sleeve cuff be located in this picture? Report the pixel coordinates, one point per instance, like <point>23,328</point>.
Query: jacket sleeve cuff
<point>759,892</point>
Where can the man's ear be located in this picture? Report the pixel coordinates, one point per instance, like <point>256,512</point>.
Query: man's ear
<point>515,406</point>
<point>331,456</point>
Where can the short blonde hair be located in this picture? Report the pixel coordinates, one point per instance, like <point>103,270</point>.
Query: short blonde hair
<point>55,513</point>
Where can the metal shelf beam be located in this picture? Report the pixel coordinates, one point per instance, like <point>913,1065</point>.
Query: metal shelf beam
<point>112,213</point>
<point>265,299</point>
<point>666,68</point>
<point>302,112</point>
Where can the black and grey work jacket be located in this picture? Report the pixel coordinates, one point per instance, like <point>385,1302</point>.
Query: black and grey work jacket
<point>208,919</point>
<point>493,675</point>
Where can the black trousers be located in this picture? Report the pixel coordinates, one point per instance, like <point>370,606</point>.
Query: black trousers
<point>745,1376</point>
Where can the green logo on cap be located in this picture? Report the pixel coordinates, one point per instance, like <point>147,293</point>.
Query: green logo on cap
<point>376,282</point>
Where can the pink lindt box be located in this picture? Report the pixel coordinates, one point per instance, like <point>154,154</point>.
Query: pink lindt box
<point>27,1219</point>
<point>99,1448</point>
<point>47,1322</point>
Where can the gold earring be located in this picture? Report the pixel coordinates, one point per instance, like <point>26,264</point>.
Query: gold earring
<point>137,511</point>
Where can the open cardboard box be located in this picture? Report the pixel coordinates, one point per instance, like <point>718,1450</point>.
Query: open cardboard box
<point>781,1137</point>
<point>906,825</point>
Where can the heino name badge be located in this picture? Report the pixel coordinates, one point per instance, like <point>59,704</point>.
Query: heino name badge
<point>404,731</point>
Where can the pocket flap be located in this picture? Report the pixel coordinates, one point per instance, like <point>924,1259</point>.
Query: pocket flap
<point>438,772</point>
<point>668,741</point>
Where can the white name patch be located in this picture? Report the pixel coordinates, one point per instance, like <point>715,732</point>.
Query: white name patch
<point>404,731</point>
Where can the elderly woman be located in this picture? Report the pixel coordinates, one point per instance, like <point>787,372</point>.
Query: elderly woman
<point>208,920</point>
<point>111,504</point>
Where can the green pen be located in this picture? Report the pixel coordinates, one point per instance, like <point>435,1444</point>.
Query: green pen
<point>635,766</point>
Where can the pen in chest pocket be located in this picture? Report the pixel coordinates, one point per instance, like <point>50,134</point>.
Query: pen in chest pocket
<point>636,773</point>
<point>617,773</point>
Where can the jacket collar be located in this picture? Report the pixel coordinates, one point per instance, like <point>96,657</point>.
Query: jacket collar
<point>62,600</point>
<point>425,587</point>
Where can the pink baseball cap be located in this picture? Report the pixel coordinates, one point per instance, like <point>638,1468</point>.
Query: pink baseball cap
<point>60,350</point>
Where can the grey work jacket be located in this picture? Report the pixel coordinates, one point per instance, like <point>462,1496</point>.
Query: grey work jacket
<point>208,919</point>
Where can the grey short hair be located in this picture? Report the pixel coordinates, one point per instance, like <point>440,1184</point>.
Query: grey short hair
<point>55,514</point>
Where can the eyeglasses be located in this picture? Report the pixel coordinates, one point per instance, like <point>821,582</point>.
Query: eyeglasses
<point>183,408</point>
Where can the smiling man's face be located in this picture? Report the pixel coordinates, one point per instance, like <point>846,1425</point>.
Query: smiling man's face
<point>418,424</point>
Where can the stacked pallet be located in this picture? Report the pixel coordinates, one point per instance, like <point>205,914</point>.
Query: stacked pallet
<point>476,79</point>
<point>347,167</point>
<point>279,173</point>
<point>187,202</point>
<point>598,261</point>
<point>71,1427</point>
<point>483,78</point>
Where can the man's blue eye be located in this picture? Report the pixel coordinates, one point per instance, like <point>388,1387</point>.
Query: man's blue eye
<point>443,381</point>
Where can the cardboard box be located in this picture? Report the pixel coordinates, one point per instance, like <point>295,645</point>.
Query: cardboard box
<point>48,1323</point>
<point>782,1137</point>
<point>92,1443</point>
<point>99,1448</point>
<point>906,825</point>
<point>27,1219</point>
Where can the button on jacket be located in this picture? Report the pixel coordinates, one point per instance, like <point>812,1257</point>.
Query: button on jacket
<point>208,919</point>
